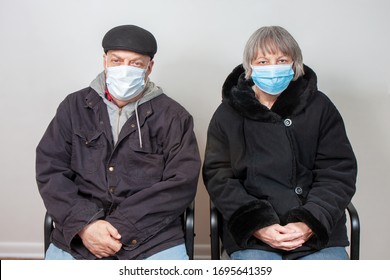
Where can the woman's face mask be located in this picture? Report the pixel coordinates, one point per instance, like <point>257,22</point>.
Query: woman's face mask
<point>272,79</point>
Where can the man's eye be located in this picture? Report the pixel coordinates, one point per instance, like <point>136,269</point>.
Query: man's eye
<point>138,64</point>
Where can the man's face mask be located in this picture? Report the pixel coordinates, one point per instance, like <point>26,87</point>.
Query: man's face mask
<point>125,82</point>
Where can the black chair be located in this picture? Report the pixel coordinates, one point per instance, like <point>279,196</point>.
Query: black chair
<point>216,228</point>
<point>188,226</point>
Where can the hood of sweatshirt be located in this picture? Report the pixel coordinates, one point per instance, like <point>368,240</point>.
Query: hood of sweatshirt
<point>119,116</point>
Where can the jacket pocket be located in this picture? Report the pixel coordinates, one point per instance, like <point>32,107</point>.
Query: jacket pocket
<point>146,163</point>
<point>87,150</point>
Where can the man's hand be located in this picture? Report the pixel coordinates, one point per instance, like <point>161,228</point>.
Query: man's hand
<point>101,239</point>
<point>281,237</point>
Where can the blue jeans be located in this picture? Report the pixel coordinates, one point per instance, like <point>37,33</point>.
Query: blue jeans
<point>178,252</point>
<point>331,253</point>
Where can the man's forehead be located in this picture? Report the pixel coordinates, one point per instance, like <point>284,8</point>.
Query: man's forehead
<point>124,54</point>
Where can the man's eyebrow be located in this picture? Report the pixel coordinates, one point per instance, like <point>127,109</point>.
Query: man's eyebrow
<point>117,56</point>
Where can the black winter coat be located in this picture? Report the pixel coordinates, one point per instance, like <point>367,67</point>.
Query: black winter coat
<point>290,163</point>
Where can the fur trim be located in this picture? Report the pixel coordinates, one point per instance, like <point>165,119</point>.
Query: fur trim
<point>238,93</point>
<point>249,218</point>
<point>320,237</point>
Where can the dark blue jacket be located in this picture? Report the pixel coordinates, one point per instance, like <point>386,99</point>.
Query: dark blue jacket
<point>142,192</point>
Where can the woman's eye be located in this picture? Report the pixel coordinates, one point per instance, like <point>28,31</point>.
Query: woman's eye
<point>284,61</point>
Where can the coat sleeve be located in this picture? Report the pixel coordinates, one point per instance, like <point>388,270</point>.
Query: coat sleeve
<point>142,215</point>
<point>55,178</point>
<point>243,212</point>
<point>334,179</point>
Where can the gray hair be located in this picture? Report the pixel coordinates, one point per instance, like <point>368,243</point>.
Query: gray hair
<point>270,39</point>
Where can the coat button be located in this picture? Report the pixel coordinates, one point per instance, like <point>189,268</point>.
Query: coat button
<point>132,125</point>
<point>287,122</point>
<point>111,168</point>
<point>111,189</point>
<point>134,242</point>
<point>298,190</point>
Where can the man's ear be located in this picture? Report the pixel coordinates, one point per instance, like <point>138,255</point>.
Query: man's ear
<point>150,67</point>
<point>105,61</point>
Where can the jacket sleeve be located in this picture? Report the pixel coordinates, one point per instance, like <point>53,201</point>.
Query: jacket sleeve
<point>334,174</point>
<point>243,212</point>
<point>55,178</point>
<point>142,215</point>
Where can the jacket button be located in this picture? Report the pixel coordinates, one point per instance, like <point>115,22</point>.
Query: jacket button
<point>111,168</point>
<point>298,190</point>
<point>132,125</point>
<point>111,189</point>
<point>287,122</point>
<point>134,242</point>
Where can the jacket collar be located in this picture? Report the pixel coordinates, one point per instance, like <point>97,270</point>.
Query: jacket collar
<point>238,93</point>
<point>92,98</point>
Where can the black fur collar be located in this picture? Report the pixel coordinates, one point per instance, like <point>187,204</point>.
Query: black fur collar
<point>238,93</point>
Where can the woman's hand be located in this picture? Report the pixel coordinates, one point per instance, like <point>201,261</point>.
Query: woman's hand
<point>282,237</point>
<point>301,227</point>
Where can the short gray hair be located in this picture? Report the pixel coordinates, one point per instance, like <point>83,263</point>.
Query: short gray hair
<point>270,39</point>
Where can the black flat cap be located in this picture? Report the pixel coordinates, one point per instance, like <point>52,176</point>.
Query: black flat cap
<point>130,38</point>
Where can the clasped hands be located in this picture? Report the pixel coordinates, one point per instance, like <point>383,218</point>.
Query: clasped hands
<point>101,238</point>
<point>287,238</point>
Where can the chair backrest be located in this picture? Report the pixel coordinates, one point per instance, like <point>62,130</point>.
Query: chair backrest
<point>216,224</point>
<point>189,230</point>
<point>188,227</point>
<point>355,232</point>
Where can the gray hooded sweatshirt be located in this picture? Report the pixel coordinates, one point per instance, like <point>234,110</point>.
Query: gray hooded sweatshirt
<point>119,116</point>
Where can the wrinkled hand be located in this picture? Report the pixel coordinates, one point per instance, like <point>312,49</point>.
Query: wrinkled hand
<point>101,239</point>
<point>301,227</point>
<point>281,237</point>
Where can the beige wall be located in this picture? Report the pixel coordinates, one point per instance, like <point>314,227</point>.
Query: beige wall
<point>50,48</point>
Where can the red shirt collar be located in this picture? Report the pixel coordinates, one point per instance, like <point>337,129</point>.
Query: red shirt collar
<point>108,95</point>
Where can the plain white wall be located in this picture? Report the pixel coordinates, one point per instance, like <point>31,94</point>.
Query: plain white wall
<point>51,48</point>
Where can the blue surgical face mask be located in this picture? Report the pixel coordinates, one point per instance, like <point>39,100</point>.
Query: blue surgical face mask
<point>125,82</point>
<point>272,79</point>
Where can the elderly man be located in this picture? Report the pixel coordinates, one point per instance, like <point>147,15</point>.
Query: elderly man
<point>119,162</point>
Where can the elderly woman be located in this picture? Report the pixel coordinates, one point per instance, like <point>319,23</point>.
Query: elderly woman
<point>278,163</point>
